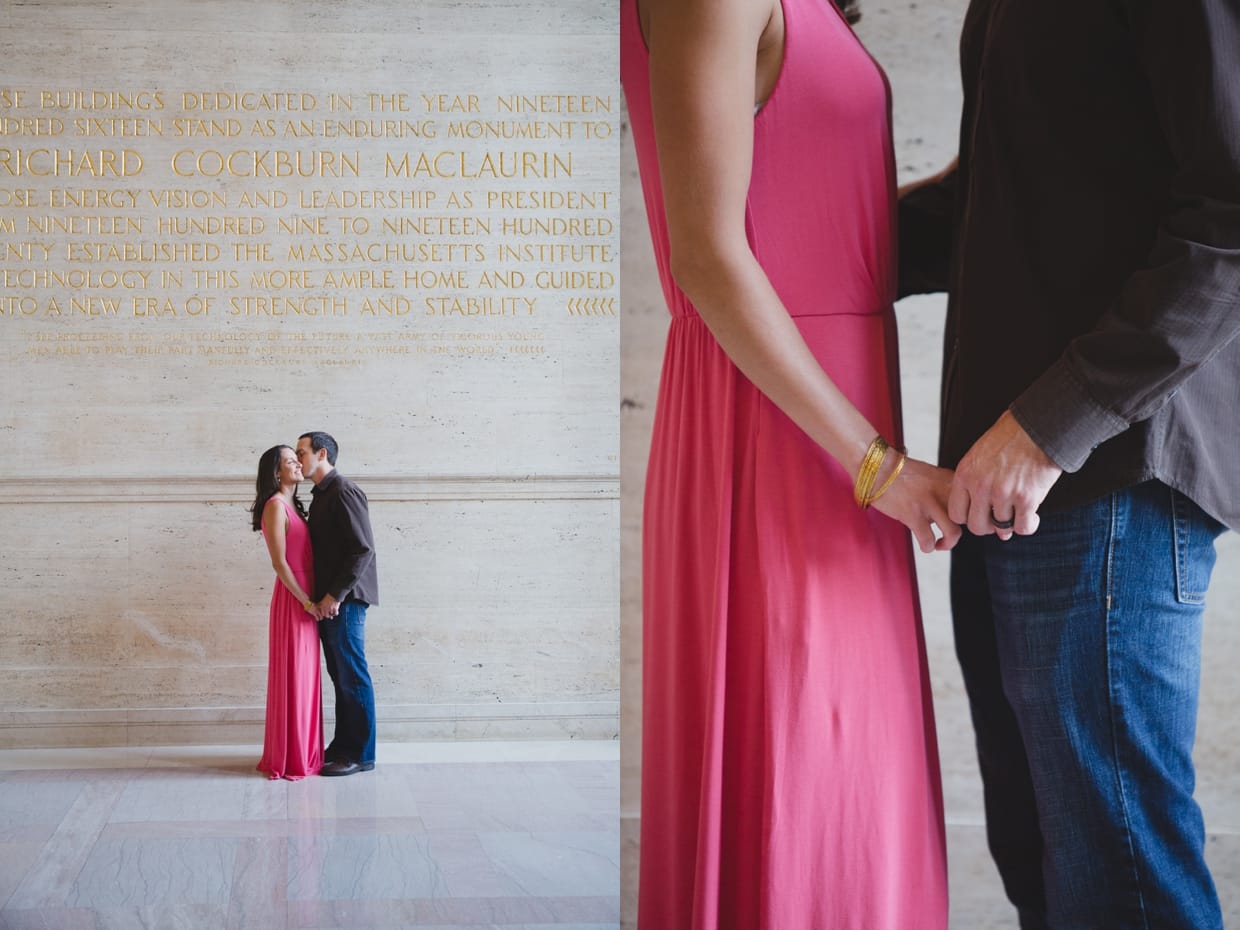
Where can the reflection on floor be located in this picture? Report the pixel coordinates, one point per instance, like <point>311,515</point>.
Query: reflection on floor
<point>512,835</point>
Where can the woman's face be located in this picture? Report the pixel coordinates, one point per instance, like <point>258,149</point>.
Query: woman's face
<point>290,468</point>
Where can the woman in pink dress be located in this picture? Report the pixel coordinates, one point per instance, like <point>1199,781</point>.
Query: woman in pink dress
<point>293,735</point>
<point>790,775</point>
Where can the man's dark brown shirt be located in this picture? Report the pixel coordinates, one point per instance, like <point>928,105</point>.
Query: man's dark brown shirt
<point>1094,221</point>
<point>344,546</point>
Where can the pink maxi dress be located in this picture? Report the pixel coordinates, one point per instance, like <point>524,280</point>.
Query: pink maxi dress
<point>790,776</point>
<point>293,735</point>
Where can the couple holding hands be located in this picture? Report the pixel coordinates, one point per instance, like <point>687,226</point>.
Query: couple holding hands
<point>1088,237</point>
<point>326,577</point>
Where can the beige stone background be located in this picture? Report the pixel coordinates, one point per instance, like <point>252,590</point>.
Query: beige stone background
<point>916,42</point>
<point>136,606</point>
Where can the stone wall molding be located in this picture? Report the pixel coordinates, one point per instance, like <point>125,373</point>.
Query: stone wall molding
<point>148,489</point>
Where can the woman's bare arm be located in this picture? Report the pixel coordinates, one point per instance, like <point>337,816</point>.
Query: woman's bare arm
<point>702,59</point>
<point>275,533</point>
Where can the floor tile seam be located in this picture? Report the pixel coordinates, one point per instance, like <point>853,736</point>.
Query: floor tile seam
<point>273,828</point>
<point>189,830</point>
<point>438,903</point>
<point>79,767</point>
<point>964,820</point>
<point>479,752</point>
<point>62,884</point>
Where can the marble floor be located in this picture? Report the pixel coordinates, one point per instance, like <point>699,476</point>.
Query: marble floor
<point>441,835</point>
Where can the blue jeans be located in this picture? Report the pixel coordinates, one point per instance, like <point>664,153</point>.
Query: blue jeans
<point>1081,652</point>
<point>344,649</point>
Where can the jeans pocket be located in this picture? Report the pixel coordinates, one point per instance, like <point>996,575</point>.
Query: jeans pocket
<point>1194,535</point>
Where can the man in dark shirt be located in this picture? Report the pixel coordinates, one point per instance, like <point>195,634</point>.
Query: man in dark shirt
<point>1089,238</point>
<point>345,584</point>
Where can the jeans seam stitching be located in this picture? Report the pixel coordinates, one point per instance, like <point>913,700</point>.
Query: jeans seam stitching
<point>1114,713</point>
<point>1182,530</point>
<point>1178,544</point>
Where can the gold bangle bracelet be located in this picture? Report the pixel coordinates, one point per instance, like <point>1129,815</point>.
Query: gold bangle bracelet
<point>891,479</point>
<point>870,465</point>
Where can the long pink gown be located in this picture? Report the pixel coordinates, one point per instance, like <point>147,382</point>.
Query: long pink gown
<point>293,735</point>
<point>790,776</point>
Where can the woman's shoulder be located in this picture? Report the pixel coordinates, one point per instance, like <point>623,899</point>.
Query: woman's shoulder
<point>275,509</point>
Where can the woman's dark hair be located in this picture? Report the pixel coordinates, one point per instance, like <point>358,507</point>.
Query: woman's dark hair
<point>267,485</point>
<point>851,10</point>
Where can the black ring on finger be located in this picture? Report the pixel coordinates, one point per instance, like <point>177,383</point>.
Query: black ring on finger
<point>1001,524</point>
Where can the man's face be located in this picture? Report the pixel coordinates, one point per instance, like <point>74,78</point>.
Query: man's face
<point>311,461</point>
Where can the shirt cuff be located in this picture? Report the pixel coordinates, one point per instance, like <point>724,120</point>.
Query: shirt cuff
<point>1062,417</point>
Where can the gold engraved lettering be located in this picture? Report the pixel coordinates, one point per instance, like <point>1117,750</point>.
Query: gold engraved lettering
<point>360,280</point>
<point>31,126</point>
<point>89,305</point>
<point>545,253</point>
<point>180,199</point>
<point>416,199</point>
<point>294,208</point>
<point>478,306</point>
<point>182,128</point>
<point>450,103</point>
<point>398,103</point>
<point>211,225</point>
<point>248,102</point>
<point>274,199</point>
<point>387,252</point>
<point>549,200</point>
<point>435,280</point>
<point>455,164</point>
<point>304,225</point>
<point>26,251</point>
<point>18,197</point>
<point>93,199</point>
<point>380,129</point>
<point>118,126</point>
<point>512,280</point>
<point>574,280</point>
<point>554,103</point>
<point>283,279</point>
<point>262,163</point>
<point>526,226</point>
<point>100,100</point>
<point>438,225</point>
<point>386,306</point>
<point>86,225</point>
<point>71,163</point>
<point>510,129</point>
<point>288,306</point>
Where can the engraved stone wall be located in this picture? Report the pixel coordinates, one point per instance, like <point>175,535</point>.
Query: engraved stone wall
<point>224,224</point>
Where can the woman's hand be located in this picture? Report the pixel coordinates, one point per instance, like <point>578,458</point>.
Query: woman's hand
<point>918,499</point>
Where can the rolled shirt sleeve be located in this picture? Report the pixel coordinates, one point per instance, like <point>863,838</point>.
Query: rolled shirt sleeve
<point>1174,314</point>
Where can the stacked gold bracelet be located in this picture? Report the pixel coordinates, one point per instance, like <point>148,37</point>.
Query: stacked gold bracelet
<point>871,464</point>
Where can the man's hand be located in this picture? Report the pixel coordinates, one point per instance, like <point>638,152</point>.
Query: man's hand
<point>1005,476</point>
<point>328,607</point>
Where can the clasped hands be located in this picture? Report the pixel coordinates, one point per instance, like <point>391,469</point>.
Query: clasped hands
<point>1001,481</point>
<point>324,609</point>
<point>997,488</point>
